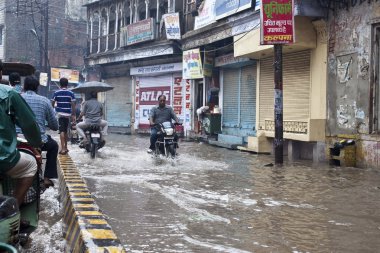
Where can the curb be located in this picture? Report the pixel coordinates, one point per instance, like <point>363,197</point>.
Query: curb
<point>85,226</point>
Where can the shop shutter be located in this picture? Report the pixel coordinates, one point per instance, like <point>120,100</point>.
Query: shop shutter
<point>231,97</point>
<point>119,102</point>
<point>153,81</point>
<point>248,97</point>
<point>296,87</point>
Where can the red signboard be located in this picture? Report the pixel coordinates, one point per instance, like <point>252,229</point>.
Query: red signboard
<point>277,22</point>
<point>149,95</point>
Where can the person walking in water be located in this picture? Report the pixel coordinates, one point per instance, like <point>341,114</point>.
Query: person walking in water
<point>65,108</point>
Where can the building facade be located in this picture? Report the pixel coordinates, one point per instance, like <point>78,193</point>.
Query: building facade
<point>353,78</point>
<point>129,44</point>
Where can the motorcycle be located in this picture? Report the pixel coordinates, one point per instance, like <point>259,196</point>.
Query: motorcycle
<point>166,143</point>
<point>94,135</point>
<point>16,223</point>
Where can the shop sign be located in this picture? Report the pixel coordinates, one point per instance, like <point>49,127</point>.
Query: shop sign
<point>156,69</point>
<point>257,5</point>
<point>208,63</point>
<point>206,14</point>
<point>140,31</point>
<point>149,95</point>
<point>229,59</point>
<point>71,74</point>
<point>192,64</point>
<point>224,8</point>
<point>277,22</point>
<point>172,28</point>
<point>43,79</point>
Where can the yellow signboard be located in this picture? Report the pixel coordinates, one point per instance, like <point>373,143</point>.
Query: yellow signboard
<point>192,64</point>
<point>71,74</point>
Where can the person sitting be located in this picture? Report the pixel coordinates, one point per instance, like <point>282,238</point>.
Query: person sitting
<point>18,165</point>
<point>160,114</point>
<point>92,111</point>
<point>42,108</point>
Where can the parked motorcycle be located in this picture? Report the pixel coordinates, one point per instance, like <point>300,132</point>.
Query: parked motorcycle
<point>94,135</point>
<point>166,143</point>
<point>16,224</point>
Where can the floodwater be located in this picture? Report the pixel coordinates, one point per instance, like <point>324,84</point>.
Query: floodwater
<point>217,200</point>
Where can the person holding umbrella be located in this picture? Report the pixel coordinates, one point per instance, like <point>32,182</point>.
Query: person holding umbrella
<point>92,110</point>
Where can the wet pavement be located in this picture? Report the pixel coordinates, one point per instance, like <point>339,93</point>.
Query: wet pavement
<point>217,200</point>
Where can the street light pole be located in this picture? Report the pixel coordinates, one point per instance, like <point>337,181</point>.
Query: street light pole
<point>41,51</point>
<point>46,32</point>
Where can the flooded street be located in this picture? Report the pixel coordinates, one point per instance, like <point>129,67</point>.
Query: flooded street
<point>219,200</point>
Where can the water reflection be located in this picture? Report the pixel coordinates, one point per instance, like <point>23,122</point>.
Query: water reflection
<point>218,200</point>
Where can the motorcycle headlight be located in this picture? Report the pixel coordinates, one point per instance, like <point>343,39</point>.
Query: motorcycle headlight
<point>169,131</point>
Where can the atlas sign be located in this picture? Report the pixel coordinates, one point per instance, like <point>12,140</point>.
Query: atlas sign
<point>149,95</point>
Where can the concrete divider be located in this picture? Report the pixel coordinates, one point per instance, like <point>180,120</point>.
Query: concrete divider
<point>86,229</point>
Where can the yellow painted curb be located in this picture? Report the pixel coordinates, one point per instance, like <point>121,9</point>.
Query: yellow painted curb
<point>86,229</point>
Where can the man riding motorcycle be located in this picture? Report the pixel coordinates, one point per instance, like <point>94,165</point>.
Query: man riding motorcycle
<point>18,165</point>
<point>160,114</point>
<point>92,110</point>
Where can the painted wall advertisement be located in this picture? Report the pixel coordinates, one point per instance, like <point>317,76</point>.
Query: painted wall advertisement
<point>177,92</point>
<point>172,28</point>
<point>140,31</point>
<point>224,8</point>
<point>71,74</point>
<point>277,22</point>
<point>192,64</point>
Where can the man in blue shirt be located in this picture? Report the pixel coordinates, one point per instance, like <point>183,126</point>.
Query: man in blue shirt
<point>43,111</point>
<point>65,109</point>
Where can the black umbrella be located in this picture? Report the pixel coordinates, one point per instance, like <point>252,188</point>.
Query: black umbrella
<point>92,86</point>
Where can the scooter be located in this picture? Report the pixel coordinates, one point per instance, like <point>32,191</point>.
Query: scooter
<point>94,135</point>
<point>166,143</point>
<point>16,224</point>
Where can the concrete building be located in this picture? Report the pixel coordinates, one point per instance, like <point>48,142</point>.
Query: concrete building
<point>353,92</point>
<point>43,33</point>
<point>128,46</point>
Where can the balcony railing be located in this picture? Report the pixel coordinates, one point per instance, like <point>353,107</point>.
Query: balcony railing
<point>121,40</point>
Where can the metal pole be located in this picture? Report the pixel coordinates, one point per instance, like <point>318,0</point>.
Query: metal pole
<point>46,30</point>
<point>278,105</point>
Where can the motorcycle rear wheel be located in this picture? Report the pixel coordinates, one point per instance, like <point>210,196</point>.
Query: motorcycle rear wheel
<point>93,149</point>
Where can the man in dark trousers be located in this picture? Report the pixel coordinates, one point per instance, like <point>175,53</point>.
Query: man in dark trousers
<point>65,109</point>
<point>160,114</point>
<point>42,108</point>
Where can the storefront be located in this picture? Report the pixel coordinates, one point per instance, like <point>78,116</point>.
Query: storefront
<point>151,82</point>
<point>238,103</point>
<point>304,90</point>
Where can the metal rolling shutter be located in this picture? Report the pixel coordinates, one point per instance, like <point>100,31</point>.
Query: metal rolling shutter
<point>296,87</point>
<point>230,97</point>
<point>248,97</point>
<point>119,102</point>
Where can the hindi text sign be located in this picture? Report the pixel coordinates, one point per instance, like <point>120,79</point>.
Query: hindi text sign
<point>277,22</point>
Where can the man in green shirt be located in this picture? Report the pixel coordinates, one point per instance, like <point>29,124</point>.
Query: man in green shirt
<point>18,165</point>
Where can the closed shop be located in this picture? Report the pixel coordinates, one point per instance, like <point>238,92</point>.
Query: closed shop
<point>118,107</point>
<point>296,88</point>
<point>153,81</point>
<point>239,100</point>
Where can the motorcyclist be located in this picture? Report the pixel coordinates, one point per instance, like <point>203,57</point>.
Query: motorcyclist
<point>160,114</point>
<point>18,165</point>
<point>92,110</point>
